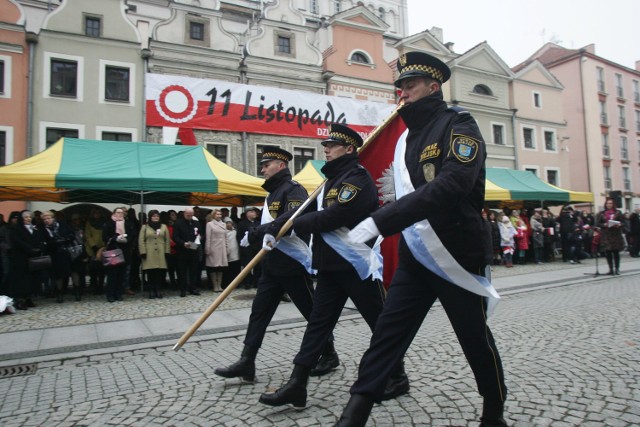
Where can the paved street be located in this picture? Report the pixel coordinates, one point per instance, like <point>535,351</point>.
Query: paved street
<point>570,352</point>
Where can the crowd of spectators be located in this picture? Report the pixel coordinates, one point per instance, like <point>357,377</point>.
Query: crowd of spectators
<point>537,236</point>
<point>152,262</point>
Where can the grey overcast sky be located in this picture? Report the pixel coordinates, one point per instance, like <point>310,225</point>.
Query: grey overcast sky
<point>515,29</point>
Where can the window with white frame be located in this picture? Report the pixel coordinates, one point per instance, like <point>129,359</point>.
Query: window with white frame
<point>603,113</point>
<point>337,6</point>
<point>550,140</point>
<point>5,76</point>
<point>497,132</point>
<point>116,82</point>
<point>2,83</point>
<point>552,177</point>
<point>313,7</point>
<point>622,120</point>
<point>116,85</point>
<point>532,169</point>
<point>626,178</point>
<point>537,99</point>
<point>619,86</point>
<point>637,120</point>
<point>606,171</point>
<point>600,78</point>
<point>636,91</point>
<point>116,136</point>
<point>359,58</point>
<point>54,134</point>
<point>624,148</point>
<point>606,151</point>
<point>300,157</point>
<point>481,89</point>
<point>284,44</point>
<point>528,138</point>
<point>64,78</point>
<point>219,151</point>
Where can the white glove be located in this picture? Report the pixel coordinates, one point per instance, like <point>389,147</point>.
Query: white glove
<point>121,238</point>
<point>245,240</point>
<point>364,231</point>
<point>293,233</point>
<point>269,242</point>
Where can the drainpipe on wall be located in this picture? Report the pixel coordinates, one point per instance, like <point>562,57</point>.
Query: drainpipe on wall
<point>146,54</point>
<point>584,123</point>
<point>243,136</point>
<point>515,140</point>
<point>32,40</point>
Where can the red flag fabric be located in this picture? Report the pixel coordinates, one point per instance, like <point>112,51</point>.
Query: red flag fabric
<point>187,137</point>
<point>376,156</point>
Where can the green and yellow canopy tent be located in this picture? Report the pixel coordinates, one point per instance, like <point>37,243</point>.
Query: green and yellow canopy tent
<point>504,187</point>
<point>81,170</point>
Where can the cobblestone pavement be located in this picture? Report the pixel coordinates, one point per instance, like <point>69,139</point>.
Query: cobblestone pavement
<point>95,309</point>
<point>571,357</point>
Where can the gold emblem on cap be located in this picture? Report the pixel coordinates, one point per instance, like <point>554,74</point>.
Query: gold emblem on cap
<point>402,60</point>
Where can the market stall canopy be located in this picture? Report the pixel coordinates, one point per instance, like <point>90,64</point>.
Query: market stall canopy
<point>80,170</point>
<point>502,186</point>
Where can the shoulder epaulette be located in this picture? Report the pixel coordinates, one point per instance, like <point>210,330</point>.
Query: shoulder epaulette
<point>458,110</point>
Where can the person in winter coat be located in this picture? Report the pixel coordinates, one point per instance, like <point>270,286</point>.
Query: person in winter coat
<point>93,242</point>
<point>154,244</point>
<point>537,237</point>
<point>610,222</point>
<point>495,239</point>
<point>216,250</point>
<point>507,242</point>
<point>117,233</point>
<point>26,241</point>
<point>233,254</point>
<point>59,236</point>
<point>522,241</point>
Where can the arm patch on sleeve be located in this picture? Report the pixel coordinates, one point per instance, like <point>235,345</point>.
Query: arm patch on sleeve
<point>464,148</point>
<point>347,193</point>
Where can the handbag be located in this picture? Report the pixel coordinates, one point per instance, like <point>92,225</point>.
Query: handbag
<point>75,251</point>
<point>39,263</point>
<point>112,257</point>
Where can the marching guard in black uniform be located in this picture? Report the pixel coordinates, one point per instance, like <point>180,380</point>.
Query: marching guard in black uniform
<point>350,195</point>
<point>283,270</point>
<point>441,168</point>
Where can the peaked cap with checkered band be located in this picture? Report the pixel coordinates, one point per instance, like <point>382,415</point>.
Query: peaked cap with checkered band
<point>413,64</point>
<point>272,152</point>
<point>341,134</point>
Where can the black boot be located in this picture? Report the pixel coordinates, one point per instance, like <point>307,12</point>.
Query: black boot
<point>244,368</point>
<point>492,411</point>
<point>356,413</point>
<point>294,391</point>
<point>328,361</point>
<point>397,385</point>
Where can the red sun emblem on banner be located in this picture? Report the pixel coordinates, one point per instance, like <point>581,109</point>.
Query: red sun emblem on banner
<point>176,104</point>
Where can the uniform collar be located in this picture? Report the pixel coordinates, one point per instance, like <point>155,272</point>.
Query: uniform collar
<point>335,166</point>
<point>421,112</point>
<point>276,180</point>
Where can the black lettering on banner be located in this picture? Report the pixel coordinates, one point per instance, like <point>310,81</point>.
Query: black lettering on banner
<point>247,103</point>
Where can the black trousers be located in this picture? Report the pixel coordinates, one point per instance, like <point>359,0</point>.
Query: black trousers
<point>331,294</point>
<point>411,295</point>
<point>189,272</point>
<point>268,296</point>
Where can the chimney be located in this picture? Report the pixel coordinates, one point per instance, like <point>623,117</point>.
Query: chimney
<point>437,33</point>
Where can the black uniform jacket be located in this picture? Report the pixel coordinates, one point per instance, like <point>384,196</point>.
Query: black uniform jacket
<point>185,231</point>
<point>445,157</point>
<point>350,195</point>
<point>284,195</point>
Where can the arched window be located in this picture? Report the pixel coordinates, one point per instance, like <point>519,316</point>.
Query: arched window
<point>360,58</point>
<point>381,13</point>
<point>482,90</point>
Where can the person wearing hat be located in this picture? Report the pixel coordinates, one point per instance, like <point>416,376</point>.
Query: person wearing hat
<point>439,169</point>
<point>246,225</point>
<point>344,270</point>
<point>284,270</point>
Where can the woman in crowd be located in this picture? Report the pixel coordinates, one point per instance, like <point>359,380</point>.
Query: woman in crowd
<point>550,235</point>
<point>507,234</point>
<point>537,237</point>
<point>522,241</point>
<point>93,242</point>
<point>610,223</point>
<point>26,241</point>
<point>172,261</point>
<point>216,249</point>
<point>495,238</point>
<point>154,243</point>
<point>58,237</point>
<point>117,233</point>
<point>78,257</point>
<point>233,254</point>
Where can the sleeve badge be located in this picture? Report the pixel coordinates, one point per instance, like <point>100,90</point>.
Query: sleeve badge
<point>464,148</point>
<point>347,193</point>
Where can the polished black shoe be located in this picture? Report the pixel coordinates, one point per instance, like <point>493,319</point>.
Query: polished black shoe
<point>291,394</point>
<point>396,386</point>
<point>492,411</point>
<point>326,364</point>
<point>356,413</point>
<point>244,368</point>
<point>294,391</point>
